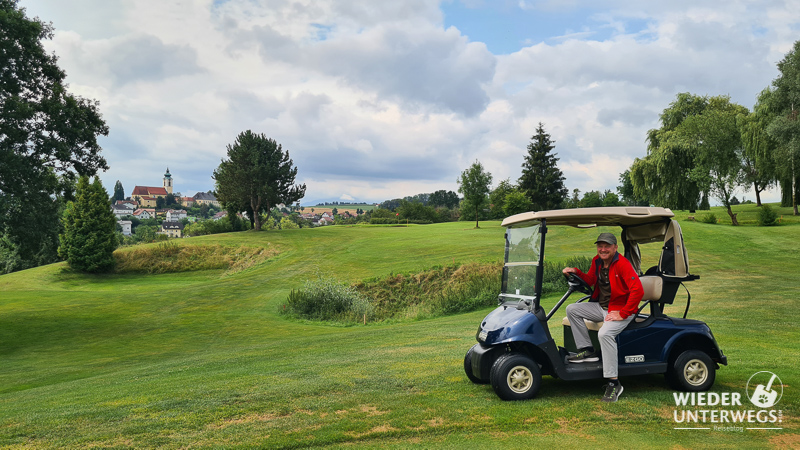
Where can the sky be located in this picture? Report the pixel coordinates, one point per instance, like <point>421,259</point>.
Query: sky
<point>376,100</point>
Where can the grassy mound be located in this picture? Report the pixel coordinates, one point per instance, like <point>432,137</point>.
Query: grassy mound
<point>438,291</point>
<point>435,292</point>
<point>169,257</point>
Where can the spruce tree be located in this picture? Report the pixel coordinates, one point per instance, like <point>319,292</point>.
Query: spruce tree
<point>90,237</point>
<point>541,178</point>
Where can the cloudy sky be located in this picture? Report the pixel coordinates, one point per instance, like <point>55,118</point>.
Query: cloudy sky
<point>383,99</point>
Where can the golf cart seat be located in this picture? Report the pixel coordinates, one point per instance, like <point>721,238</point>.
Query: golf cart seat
<point>652,291</point>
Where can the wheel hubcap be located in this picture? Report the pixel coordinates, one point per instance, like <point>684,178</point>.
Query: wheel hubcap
<point>520,379</point>
<point>695,372</point>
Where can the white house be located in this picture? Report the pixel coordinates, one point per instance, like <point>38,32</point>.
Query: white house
<point>126,227</point>
<point>121,211</point>
<point>175,215</point>
<point>130,204</point>
<point>143,214</point>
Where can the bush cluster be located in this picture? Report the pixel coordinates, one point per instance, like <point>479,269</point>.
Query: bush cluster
<point>225,225</point>
<point>708,218</point>
<point>385,221</point>
<point>767,216</point>
<point>328,300</point>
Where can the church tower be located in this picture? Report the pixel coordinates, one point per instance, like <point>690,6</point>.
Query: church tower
<point>168,181</point>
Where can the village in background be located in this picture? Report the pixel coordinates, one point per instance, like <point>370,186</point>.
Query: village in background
<point>152,211</point>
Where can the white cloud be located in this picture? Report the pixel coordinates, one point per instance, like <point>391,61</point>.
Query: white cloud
<point>377,100</point>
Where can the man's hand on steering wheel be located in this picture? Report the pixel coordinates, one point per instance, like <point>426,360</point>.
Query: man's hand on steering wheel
<point>575,282</point>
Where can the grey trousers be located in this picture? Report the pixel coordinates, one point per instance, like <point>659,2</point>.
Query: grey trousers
<point>607,335</point>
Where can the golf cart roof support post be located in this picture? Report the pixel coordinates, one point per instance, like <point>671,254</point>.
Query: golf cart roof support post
<point>540,267</point>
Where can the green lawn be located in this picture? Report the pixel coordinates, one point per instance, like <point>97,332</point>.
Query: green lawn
<point>204,359</point>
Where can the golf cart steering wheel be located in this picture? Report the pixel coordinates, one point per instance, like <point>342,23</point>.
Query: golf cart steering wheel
<point>576,283</point>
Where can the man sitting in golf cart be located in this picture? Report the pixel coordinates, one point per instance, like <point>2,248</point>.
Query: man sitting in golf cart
<point>614,302</point>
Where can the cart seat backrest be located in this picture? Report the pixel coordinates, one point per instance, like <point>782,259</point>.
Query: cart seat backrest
<point>652,287</point>
<point>674,261</point>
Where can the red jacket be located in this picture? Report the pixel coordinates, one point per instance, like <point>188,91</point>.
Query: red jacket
<point>626,289</point>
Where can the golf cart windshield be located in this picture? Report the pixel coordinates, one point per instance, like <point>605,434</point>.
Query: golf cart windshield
<point>523,247</point>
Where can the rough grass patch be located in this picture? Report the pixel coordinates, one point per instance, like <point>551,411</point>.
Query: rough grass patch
<point>170,257</point>
<point>434,292</point>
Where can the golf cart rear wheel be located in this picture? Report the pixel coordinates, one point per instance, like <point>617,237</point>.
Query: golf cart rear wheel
<point>468,368</point>
<point>693,371</point>
<point>516,377</point>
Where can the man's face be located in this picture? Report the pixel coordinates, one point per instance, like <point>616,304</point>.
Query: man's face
<point>606,251</point>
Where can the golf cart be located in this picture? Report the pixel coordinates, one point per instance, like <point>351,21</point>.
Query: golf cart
<point>515,347</point>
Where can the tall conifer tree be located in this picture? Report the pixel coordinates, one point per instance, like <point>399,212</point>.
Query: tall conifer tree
<point>541,178</point>
<point>89,238</point>
<point>119,191</point>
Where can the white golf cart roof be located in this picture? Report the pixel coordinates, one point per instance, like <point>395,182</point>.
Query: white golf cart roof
<point>640,225</point>
<point>592,217</point>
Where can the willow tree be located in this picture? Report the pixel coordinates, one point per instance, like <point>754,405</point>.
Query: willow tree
<point>663,176</point>
<point>715,143</point>
<point>785,127</point>
<point>759,147</point>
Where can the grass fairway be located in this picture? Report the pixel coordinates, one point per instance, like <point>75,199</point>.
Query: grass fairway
<point>204,359</point>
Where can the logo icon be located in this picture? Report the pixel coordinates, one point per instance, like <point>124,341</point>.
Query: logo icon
<point>761,395</point>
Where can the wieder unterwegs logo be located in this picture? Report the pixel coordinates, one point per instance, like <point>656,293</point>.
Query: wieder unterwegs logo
<point>727,411</point>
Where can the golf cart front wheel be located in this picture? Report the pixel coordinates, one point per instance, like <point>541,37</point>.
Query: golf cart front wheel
<point>693,371</point>
<point>516,377</point>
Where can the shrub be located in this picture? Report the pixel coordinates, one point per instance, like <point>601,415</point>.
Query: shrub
<point>326,299</point>
<point>767,216</point>
<point>287,224</point>
<point>708,218</point>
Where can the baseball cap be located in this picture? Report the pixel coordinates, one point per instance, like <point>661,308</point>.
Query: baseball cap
<point>608,238</point>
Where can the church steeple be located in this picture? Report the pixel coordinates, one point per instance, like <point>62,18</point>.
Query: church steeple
<point>168,181</point>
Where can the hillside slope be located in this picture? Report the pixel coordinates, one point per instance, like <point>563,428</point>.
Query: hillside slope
<point>204,358</point>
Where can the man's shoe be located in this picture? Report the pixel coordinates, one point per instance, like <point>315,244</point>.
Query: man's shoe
<point>612,393</point>
<point>585,355</point>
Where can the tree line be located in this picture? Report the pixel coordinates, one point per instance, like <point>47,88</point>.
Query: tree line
<point>708,146</point>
